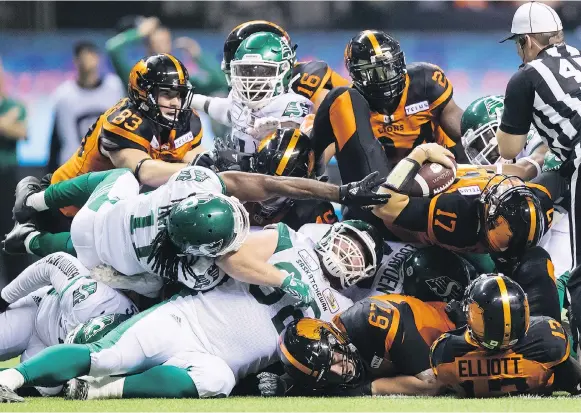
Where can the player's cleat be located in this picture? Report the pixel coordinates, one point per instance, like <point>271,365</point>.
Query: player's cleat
<point>76,389</point>
<point>8,395</point>
<point>13,244</point>
<point>26,187</point>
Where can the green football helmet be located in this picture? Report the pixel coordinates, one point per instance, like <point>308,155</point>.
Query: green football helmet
<point>261,69</point>
<point>436,274</point>
<point>208,224</point>
<point>95,329</point>
<point>351,251</point>
<point>478,126</point>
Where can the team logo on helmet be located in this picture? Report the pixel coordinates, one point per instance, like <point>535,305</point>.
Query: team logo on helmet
<point>446,288</point>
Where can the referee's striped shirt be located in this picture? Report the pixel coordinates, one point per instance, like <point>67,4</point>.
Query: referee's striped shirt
<point>551,86</point>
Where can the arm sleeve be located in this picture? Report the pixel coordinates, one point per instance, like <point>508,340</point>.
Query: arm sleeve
<point>116,49</point>
<point>217,108</point>
<point>518,105</point>
<point>58,269</point>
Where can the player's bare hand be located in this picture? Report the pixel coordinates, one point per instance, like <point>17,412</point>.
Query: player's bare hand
<point>433,152</point>
<point>190,45</point>
<point>263,127</point>
<point>147,26</point>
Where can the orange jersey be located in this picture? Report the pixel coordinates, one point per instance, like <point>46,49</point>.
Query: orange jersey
<point>123,127</point>
<point>527,368</point>
<point>393,333</point>
<point>450,219</point>
<point>310,78</point>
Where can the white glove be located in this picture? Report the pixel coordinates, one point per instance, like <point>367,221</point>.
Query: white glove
<point>263,127</point>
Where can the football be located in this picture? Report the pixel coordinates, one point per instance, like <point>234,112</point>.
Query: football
<point>433,178</point>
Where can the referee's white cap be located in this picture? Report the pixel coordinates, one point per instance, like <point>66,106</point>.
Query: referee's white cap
<point>534,17</point>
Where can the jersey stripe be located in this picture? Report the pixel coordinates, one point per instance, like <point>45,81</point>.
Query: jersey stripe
<point>506,310</point>
<point>344,112</point>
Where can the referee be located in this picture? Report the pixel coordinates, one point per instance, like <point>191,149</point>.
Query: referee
<point>546,91</point>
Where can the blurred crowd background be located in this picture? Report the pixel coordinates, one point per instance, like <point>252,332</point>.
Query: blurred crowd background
<point>56,54</point>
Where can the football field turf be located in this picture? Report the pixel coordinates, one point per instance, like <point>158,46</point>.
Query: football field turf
<point>303,404</point>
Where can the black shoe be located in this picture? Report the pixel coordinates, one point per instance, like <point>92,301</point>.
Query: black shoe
<point>13,244</point>
<point>26,187</point>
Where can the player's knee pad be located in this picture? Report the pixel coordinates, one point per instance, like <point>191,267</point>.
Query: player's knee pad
<point>536,275</point>
<point>211,375</point>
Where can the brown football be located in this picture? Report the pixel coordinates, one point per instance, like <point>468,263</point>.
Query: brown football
<point>433,178</point>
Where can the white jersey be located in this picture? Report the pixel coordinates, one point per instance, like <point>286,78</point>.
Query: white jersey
<point>241,323</point>
<point>65,294</point>
<point>125,230</point>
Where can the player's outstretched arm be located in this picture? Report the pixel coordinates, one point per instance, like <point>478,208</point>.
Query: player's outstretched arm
<point>150,172</point>
<point>407,385</point>
<point>258,187</point>
<point>250,265</point>
<point>58,270</point>
<point>216,107</point>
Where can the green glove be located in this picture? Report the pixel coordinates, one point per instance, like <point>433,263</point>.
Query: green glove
<point>551,162</point>
<point>298,289</point>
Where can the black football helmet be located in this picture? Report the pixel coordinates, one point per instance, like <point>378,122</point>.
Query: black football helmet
<point>241,32</point>
<point>377,66</point>
<point>511,216</point>
<point>286,152</point>
<point>308,348</point>
<point>436,274</point>
<point>153,74</point>
<point>497,311</point>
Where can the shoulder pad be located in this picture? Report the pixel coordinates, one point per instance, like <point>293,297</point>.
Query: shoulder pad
<point>428,82</point>
<point>545,342</point>
<point>124,121</point>
<point>310,77</point>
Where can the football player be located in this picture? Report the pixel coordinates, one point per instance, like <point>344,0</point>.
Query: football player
<point>170,231</point>
<point>261,99</point>
<point>379,346</point>
<point>479,124</point>
<point>311,79</point>
<point>288,152</point>
<point>429,273</point>
<point>398,105</point>
<point>480,212</point>
<point>153,132</point>
<point>48,300</point>
<point>200,345</point>
<point>501,350</point>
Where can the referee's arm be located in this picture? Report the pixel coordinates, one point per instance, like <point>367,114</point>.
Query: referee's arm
<point>517,116</point>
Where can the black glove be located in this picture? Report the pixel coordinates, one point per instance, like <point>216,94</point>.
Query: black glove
<point>271,385</point>
<point>455,313</point>
<point>363,192</point>
<point>205,160</point>
<point>233,160</point>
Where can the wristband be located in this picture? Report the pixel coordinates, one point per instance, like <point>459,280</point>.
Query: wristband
<point>138,168</point>
<point>499,168</point>
<point>534,163</point>
<point>402,175</point>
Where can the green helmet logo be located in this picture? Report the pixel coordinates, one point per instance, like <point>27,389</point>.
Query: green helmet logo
<point>261,69</point>
<point>478,126</point>
<point>207,224</point>
<point>351,251</point>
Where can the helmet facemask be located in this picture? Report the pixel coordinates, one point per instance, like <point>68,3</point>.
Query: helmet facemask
<point>256,82</point>
<point>481,144</point>
<point>181,116</point>
<point>380,80</point>
<point>347,254</point>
